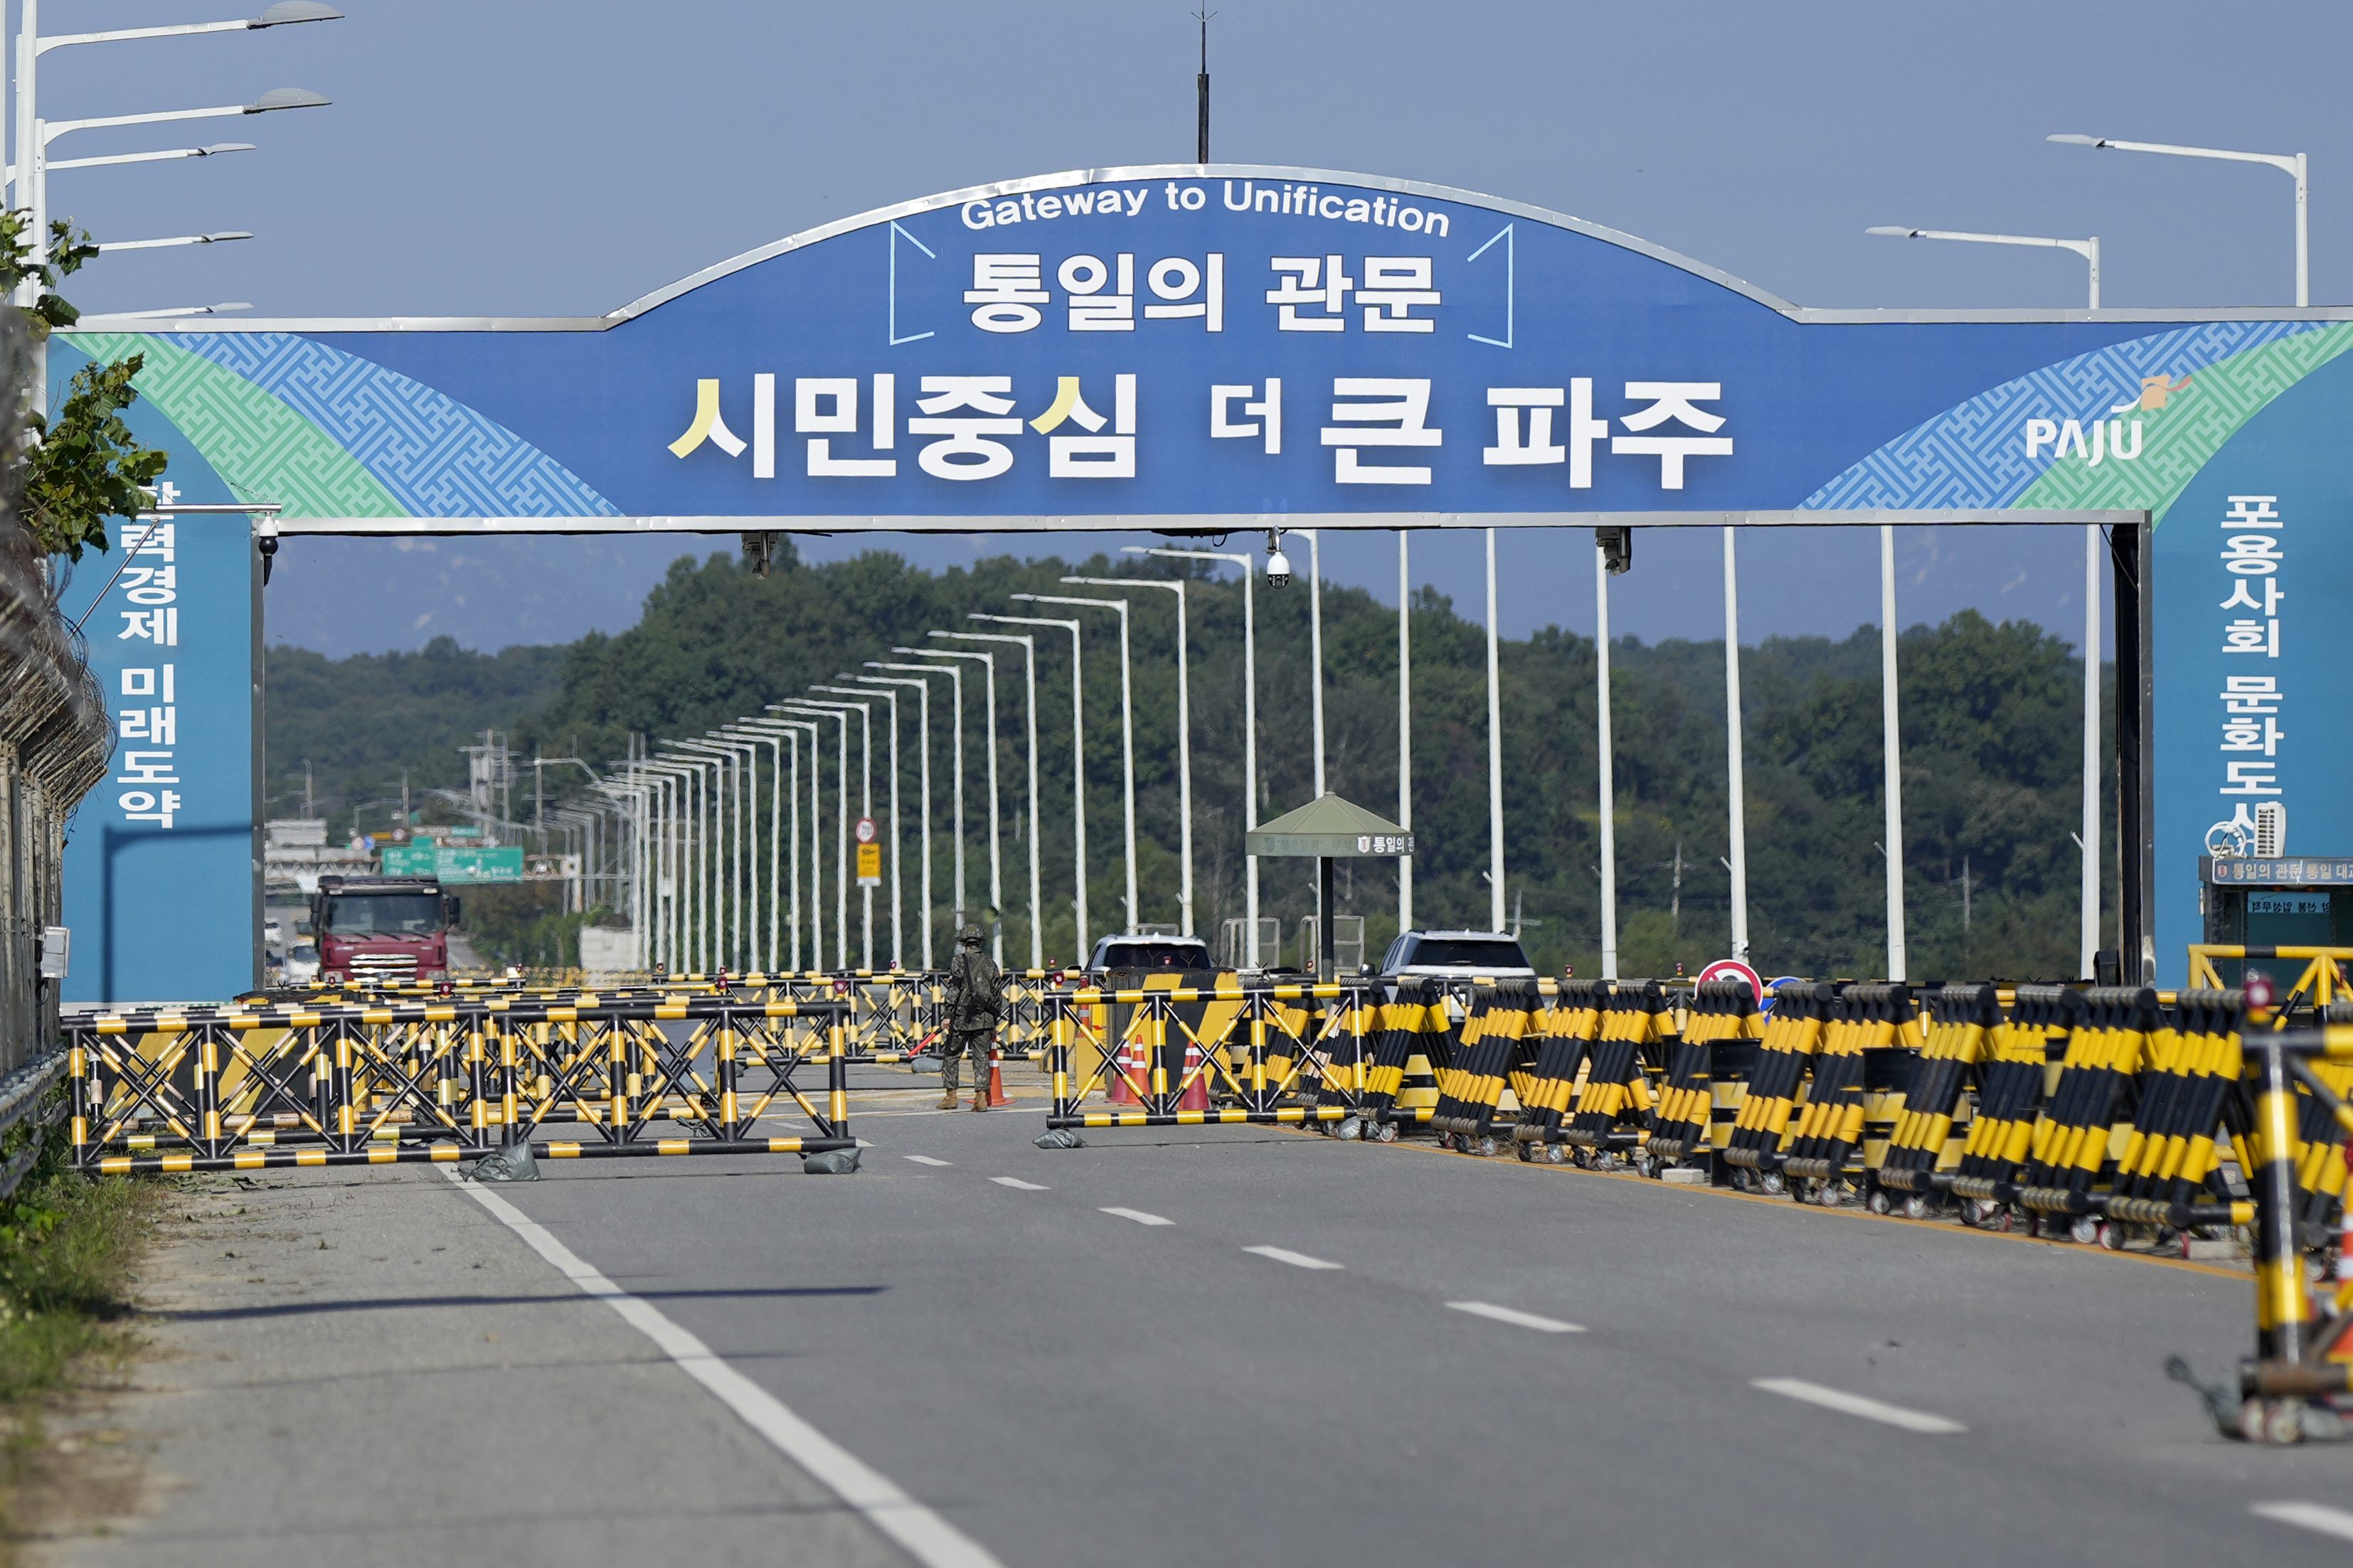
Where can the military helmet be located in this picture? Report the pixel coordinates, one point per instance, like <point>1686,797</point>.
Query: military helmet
<point>969,936</point>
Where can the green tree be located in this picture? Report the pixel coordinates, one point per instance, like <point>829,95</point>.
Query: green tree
<point>84,465</point>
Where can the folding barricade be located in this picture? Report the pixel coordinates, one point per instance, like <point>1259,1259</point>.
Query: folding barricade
<point>1826,1128</point>
<point>1414,1043</point>
<point>248,1089</point>
<point>1614,1100</point>
<point>1777,1083</point>
<point>1502,1016</point>
<point>2170,1169</point>
<point>1720,1019</point>
<point>1302,1063</point>
<point>2010,1087</point>
<point>1546,1084</point>
<point>1963,1021</point>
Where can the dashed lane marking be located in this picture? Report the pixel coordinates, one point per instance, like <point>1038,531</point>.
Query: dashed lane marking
<point>926,1160</point>
<point>1856,1404</point>
<point>2314,1516</point>
<point>1296,1259</point>
<point>1138,1215</point>
<point>1017,1183</point>
<point>1518,1318</point>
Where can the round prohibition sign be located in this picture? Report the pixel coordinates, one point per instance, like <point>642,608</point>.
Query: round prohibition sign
<point>865,830</point>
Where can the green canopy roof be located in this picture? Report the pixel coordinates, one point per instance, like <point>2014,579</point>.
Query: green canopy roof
<point>1328,826</point>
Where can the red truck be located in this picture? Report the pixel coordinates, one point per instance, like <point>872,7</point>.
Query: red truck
<point>382,928</point>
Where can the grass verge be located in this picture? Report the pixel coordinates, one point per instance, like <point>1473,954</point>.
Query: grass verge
<point>68,1245</point>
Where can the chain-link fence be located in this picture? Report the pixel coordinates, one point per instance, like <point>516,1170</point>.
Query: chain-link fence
<point>54,745</point>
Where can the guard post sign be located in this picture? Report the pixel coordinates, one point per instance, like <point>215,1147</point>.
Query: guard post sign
<point>870,855</point>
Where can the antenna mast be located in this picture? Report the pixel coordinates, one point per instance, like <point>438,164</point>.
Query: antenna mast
<point>1201,84</point>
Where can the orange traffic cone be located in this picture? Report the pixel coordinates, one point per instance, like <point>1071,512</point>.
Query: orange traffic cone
<point>1197,1082</point>
<point>997,1095</point>
<point>1128,1069</point>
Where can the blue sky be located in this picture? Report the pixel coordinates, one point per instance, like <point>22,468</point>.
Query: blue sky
<point>539,159</point>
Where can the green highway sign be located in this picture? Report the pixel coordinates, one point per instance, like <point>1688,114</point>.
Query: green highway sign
<point>453,864</point>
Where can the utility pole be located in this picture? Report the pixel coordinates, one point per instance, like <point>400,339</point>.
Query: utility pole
<point>1201,85</point>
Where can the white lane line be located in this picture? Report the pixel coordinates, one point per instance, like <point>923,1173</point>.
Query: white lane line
<point>1855,1404</point>
<point>1138,1215</point>
<point>1017,1183</point>
<point>928,1539</point>
<point>1514,1316</point>
<point>926,1160</point>
<point>2315,1516</point>
<point>1296,1259</point>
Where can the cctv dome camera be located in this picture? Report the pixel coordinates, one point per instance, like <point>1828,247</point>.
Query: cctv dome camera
<point>1278,570</point>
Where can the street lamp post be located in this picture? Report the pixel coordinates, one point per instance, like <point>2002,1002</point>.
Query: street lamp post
<point>1127,731</point>
<point>27,176</point>
<point>955,676</point>
<point>2292,162</point>
<point>1892,756</point>
<point>32,157</point>
<point>776,796</point>
<point>1078,767</point>
<point>1030,673</point>
<point>1405,730</point>
<point>1315,646</point>
<point>2089,249</point>
<point>1184,731</point>
<point>817,858</point>
<point>728,850</point>
<point>1496,770</point>
<point>691,923</point>
<point>834,711</point>
<point>956,753</point>
<point>924,784</point>
<point>1248,561</point>
<point>865,811</point>
<point>898,946</point>
<point>995,834</point>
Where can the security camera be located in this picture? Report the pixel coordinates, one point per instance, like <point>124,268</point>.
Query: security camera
<point>1278,564</point>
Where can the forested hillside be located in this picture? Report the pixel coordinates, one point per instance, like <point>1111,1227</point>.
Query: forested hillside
<point>1991,770</point>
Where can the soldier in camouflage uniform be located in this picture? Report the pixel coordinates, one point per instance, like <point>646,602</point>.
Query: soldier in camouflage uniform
<point>972,1004</point>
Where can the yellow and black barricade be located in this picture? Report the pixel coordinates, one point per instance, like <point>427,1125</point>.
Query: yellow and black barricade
<point>446,1080</point>
<point>1613,1103</point>
<point>1929,1134</point>
<point>1306,1059</point>
<point>1776,1081</point>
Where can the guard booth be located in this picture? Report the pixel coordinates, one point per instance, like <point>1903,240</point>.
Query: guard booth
<point>2297,911</point>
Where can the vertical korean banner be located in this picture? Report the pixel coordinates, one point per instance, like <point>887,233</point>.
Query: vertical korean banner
<point>163,872</point>
<point>2252,565</point>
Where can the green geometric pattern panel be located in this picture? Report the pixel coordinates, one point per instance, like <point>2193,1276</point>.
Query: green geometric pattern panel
<point>2182,437</point>
<point>263,449</point>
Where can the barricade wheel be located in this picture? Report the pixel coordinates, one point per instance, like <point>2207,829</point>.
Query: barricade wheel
<point>2284,1422</point>
<point>1771,1182</point>
<point>1388,1132</point>
<point>1487,1148</point>
<point>1830,1195</point>
<point>1742,1179</point>
<point>2088,1230</point>
<point>1915,1206</point>
<point>1527,1153</point>
<point>1557,1154</point>
<point>1879,1202</point>
<point>2009,1221</point>
<point>2111,1236</point>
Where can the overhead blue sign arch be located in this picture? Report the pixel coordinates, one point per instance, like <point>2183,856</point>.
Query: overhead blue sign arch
<point>1237,342</point>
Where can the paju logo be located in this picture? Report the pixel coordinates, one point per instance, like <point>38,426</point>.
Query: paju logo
<point>2107,438</point>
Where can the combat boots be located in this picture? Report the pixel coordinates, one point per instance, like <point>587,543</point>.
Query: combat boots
<point>980,1100</point>
<point>948,1100</point>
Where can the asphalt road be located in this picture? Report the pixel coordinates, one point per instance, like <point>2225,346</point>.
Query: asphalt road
<point>1238,1345</point>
